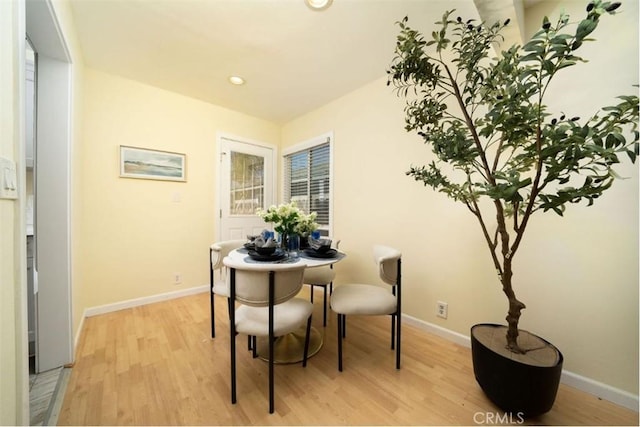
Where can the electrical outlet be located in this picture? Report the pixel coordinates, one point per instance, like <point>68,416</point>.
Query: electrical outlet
<point>442,309</point>
<point>177,278</point>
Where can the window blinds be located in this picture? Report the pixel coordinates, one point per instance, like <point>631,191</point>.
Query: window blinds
<point>307,178</point>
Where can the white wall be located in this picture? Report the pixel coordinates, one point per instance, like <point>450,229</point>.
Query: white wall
<point>578,275</point>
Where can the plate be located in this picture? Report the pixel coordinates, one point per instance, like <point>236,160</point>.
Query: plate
<point>278,255</point>
<point>331,253</point>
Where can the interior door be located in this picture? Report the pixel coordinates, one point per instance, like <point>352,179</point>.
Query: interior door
<point>246,184</point>
<point>52,194</point>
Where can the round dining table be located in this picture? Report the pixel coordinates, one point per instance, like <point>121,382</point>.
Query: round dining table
<point>290,348</point>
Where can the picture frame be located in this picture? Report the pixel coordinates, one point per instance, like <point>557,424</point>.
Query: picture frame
<point>144,163</point>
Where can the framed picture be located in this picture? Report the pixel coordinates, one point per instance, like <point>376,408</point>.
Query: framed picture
<point>152,164</point>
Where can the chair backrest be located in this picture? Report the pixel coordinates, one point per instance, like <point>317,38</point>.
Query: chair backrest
<point>219,250</point>
<point>252,281</point>
<point>335,243</point>
<point>387,260</point>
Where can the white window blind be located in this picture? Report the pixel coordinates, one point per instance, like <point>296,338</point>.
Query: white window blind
<point>307,181</point>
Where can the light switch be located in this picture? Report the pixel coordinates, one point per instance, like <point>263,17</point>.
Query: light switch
<point>8,179</point>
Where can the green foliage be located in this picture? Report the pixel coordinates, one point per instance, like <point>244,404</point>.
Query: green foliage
<point>487,118</point>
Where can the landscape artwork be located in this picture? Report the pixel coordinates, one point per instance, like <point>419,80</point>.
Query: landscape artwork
<point>151,164</point>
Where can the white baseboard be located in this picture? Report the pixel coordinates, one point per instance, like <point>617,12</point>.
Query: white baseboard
<point>601,390</point>
<point>448,334</point>
<point>108,308</point>
<point>136,302</point>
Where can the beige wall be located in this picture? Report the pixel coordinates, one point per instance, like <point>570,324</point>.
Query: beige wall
<point>134,235</point>
<point>578,275</point>
<point>13,356</point>
<point>601,300</point>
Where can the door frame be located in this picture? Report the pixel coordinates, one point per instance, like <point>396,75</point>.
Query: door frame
<point>54,124</point>
<point>217,166</point>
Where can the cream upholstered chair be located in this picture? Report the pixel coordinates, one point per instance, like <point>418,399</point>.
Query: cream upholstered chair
<point>217,277</point>
<point>323,277</point>
<point>268,308</point>
<point>372,300</point>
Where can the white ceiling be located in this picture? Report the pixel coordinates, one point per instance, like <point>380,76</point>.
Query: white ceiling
<point>293,59</point>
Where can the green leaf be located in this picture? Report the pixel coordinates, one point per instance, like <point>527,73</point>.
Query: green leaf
<point>632,155</point>
<point>565,64</point>
<point>585,28</point>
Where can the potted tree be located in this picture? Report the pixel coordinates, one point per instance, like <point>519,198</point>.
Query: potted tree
<point>501,153</point>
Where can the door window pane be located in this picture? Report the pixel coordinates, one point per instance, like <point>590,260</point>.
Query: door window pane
<point>247,183</point>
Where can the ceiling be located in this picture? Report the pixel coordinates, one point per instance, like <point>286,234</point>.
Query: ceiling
<point>293,59</point>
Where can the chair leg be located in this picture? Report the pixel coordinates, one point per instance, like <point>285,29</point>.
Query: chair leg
<point>213,313</point>
<point>324,308</point>
<point>306,343</point>
<point>311,293</point>
<point>340,320</point>
<point>271,341</point>
<point>233,369</point>
<point>232,335</point>
<point>398,343</point>
<point>344,326</point>
<point>393,331</point>
<point>271,385</point>
<point>211,279</point>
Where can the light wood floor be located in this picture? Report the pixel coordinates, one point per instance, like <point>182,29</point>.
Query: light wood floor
<point>157,365</point>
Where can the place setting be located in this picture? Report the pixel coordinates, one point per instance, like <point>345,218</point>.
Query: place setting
<point>265,248</point>
<point>319,247</point>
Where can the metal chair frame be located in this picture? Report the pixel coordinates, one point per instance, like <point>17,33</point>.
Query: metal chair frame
<point>271,338</point>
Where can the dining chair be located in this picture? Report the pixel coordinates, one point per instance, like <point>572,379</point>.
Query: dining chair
<point>267,308</point>
<point>217,278</point>
<point>372,300</point>
<point>323,277</point>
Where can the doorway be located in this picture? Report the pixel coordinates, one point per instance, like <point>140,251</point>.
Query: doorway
<point>51,177</point>
<point>246,182</point>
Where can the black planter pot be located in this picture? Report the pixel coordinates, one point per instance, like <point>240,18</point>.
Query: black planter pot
<point>516,387</point>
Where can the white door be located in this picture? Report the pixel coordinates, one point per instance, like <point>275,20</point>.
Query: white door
<point>246,184</point>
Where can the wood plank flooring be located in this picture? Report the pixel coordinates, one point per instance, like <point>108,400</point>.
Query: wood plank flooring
<point>157,365</point>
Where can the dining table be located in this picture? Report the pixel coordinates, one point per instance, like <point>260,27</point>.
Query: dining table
<point>289,348</point>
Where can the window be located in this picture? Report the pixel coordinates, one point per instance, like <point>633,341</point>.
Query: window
<point>308,180</point>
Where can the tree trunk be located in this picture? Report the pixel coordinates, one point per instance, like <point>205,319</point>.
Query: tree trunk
<point>515,309</point>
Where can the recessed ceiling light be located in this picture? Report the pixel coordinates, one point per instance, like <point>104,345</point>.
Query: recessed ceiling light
<point>318,4</point>
<point>235,80</point>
